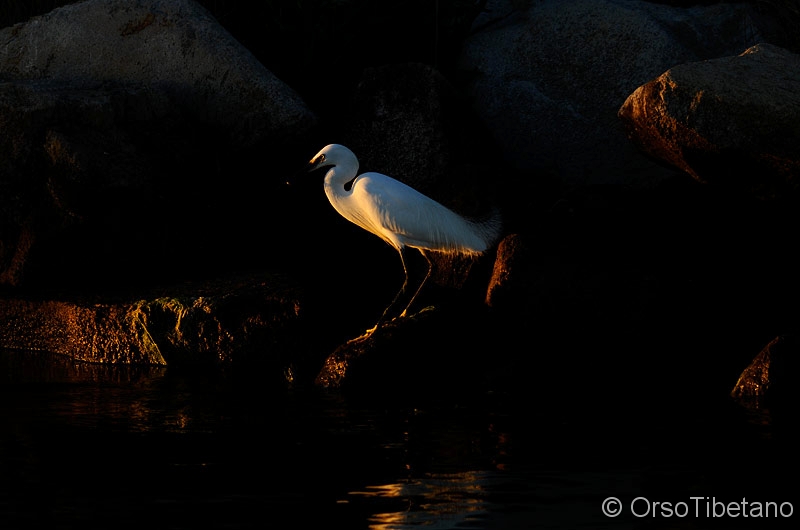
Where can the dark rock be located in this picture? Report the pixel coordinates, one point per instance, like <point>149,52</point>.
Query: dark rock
<point>129,135</point>
<point>409,122</point>
<point>583,263</point>
<point>512,276</point>
<point>424,352</point>
<point>70,160</point>
<point>733,121</point>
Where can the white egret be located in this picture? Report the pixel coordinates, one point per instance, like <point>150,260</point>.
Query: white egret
<point>399,214</point>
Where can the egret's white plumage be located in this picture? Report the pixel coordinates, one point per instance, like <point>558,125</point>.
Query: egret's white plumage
<point>397,213</point>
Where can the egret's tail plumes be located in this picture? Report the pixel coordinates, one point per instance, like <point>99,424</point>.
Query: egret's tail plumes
<point>447,232</point>
<point>489,229</point>
<point>480,234</point>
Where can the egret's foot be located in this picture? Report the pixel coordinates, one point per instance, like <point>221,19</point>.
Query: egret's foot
<point>405,313</point>
<point>364,336</point>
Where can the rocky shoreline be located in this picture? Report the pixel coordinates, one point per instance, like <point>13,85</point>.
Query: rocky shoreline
<point>644,157</point>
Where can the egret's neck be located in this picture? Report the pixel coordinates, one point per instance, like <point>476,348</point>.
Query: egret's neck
<point>338,176</point>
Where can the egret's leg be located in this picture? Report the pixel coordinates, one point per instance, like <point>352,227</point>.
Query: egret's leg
<point>425,279</point>
<point>400,293</point>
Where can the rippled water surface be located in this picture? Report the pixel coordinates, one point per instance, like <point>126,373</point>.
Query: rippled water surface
<point>91,447</point>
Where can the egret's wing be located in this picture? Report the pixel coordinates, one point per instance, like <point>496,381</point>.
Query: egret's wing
<point>403,216</point>
<point>384,206</point>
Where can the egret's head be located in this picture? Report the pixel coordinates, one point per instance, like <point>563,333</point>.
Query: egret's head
<point>319,161</point>
<point>331,155</point>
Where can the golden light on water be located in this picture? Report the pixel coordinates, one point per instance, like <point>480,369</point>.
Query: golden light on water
<point>383,490</point>
<point>433,501</point>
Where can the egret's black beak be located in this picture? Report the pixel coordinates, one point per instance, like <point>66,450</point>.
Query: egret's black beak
<point>313,164</point>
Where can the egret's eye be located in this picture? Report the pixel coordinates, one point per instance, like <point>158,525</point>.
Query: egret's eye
<point>320,159</point>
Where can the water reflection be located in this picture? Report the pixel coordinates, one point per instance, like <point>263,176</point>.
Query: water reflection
<point>54,388</point>
<point>126,447</point>
<point>25,367</point>
<point>435,501</point>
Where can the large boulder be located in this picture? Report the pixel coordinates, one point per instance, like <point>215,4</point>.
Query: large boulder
<point>549,79</point>
<point>732,121</point>
<point>171,46</point>
<point>129,135</point>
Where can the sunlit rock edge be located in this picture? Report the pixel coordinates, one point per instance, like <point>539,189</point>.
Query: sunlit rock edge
<point>217,322</point>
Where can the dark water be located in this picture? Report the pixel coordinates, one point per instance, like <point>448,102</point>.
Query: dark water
<point>94,447</point>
